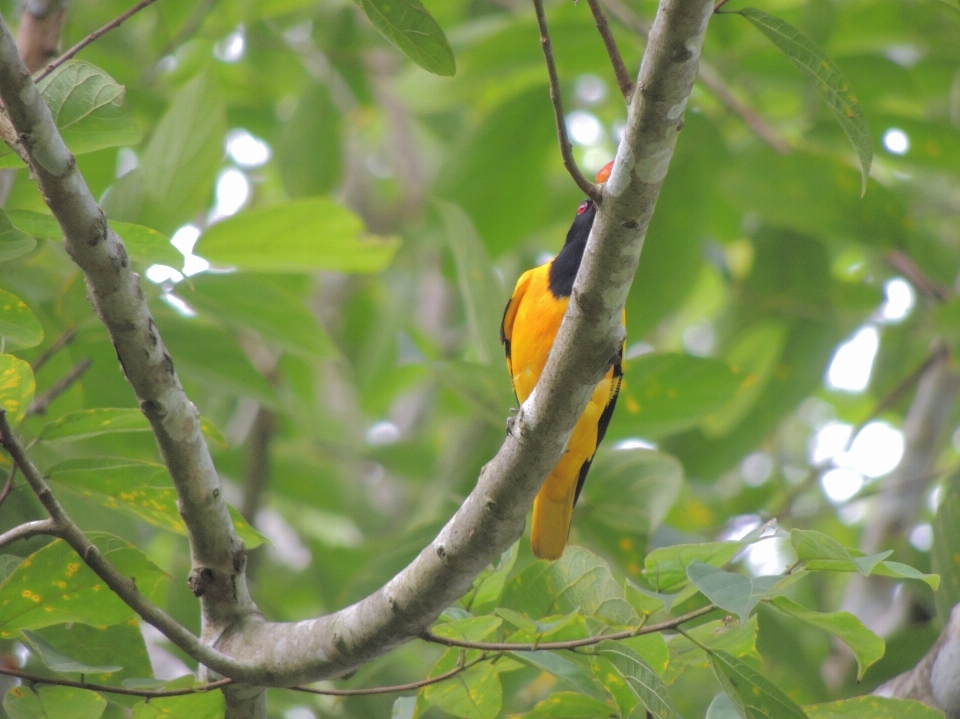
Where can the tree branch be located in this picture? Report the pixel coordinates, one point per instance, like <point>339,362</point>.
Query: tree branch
<point>556,98</point>
<point>107,689</point>
<point>40,404</point>
<point>491,518</point>
<point>397,687</point>
<point>114,289</point>
<point>570,643</point>
<point>616,60</point>
<point>933,680</point>
<point>28,530</point>
<point>96,34</point>
<point>58,344</point>
<point>711,78</point>
<point>8,485</point>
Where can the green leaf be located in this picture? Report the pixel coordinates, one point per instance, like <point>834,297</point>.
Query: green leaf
<point>740,640</point>
<point>141,489</point>
<point>408,25</point>
<point>146,245</point>
<point>212,357</point>
<point>8,563</point>
<point>13,242</point>
<point>754,354</point>
<point>664,393</point>
<point>755,696</point>
<point>297,236</point>
<point>208,705</point>
<point>829,81</point>
<point>143,244</point>
<point>569,705</point>
<point>61,663</point>
<point>316,124</point>
<point>264,305</point>
<point>473,694</point>
<point>665,568</point>
<point>404,708</point>
<point>629,493</point>
<point>640,677</point>
<point>488,587</point>
<point>471,629</point>
<point>18,325</point>
<point>119,644</point>
<point>944,558</point>
<point>87,107</point>
<point>480,289</point>
<point>485,387</point>
<point>579,579</point>
<point>86,423</point>
<point>177,167</point>
<point>17,387</point>
<point>872,707</point>
<point>722,708</point>
<point>53,586</point>
<point>51,702</point>
<point>734,592</point>
<point>567,670</point>
<point>866,646</point>
<point>820,552</point>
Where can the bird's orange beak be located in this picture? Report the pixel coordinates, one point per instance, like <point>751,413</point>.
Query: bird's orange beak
<point>605,171</point>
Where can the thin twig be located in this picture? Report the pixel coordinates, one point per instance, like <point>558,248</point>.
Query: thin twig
<point>8,485</point>
<point>929,288</point>
<point>62,341</point>
<point>40,404</point>
<point>939,354</point>
<point>145,693</point>
<point>566,149</point>
<point>570,643</point>
<point>28,530</point>
<point>619,69</point>
<point>710,78</point>
<point>720,4</point>
<point>96,34</point>
<point>397,687</point>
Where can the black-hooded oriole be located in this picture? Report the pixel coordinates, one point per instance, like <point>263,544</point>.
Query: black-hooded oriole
<point>530,324</point>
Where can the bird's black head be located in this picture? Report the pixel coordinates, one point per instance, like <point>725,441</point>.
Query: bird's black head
<point>563,270</point>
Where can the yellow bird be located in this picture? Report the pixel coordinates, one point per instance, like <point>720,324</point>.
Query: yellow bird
<point>530,324</point>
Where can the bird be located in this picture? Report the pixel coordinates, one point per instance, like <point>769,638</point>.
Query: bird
<point>530,323</point>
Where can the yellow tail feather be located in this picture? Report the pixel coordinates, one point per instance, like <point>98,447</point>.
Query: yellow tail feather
<point>551,523</point>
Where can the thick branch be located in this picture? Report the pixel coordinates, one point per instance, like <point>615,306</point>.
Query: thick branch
<point>115,292</point>
<point>933,680</point>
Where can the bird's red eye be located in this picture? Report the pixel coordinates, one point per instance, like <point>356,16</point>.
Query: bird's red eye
<point>583,207</point>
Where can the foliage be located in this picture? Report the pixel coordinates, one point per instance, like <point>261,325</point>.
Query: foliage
<point>356,297</point>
